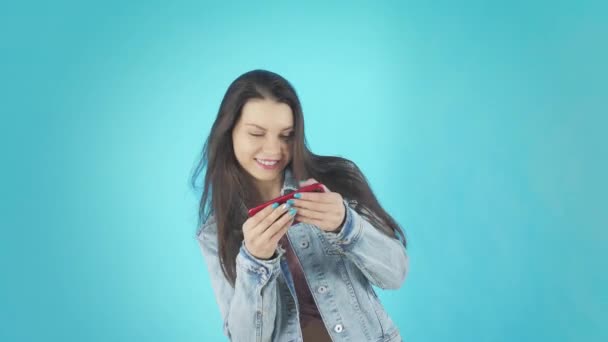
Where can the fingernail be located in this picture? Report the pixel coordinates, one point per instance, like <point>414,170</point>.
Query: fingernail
<point>293,211</point>
<point>291,202</point>
<point>298,195</point>
<point>275,205</point>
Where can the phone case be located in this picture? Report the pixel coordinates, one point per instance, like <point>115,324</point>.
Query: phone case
<point>316,187</point>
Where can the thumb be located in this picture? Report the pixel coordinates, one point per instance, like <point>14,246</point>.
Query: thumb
<point>312,181</point>
<point>307,182</point>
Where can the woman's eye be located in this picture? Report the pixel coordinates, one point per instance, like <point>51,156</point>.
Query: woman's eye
<point>261,135</point>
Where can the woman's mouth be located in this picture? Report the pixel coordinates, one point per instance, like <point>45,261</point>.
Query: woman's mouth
<point>267,164</point>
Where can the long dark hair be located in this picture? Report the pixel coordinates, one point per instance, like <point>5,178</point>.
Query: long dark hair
<point>236,190</point>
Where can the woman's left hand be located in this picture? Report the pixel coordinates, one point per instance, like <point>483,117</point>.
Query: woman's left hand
<point>323,209</point>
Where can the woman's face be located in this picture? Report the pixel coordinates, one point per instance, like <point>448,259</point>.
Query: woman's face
<point>263,135</point>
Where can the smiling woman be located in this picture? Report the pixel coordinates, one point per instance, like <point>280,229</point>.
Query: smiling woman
<point>262,142</point>
<point>275,280</point>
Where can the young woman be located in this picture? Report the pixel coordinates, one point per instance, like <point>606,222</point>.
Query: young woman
<point>279,280</point>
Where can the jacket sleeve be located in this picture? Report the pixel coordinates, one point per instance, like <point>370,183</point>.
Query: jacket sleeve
<point>249,309</point>
<point>382,259</point>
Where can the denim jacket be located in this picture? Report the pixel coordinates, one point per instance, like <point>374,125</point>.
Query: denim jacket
<point>340,269</point>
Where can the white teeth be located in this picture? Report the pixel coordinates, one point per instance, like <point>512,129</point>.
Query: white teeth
<point>267,162</point>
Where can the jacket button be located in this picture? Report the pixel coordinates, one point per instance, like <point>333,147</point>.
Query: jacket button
<point>338,328</point>
<point>322,289</point>
<point>263,270</point>
<point>304,244</point>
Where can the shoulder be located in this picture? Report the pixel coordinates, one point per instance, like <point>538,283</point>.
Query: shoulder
<point>208,229</point>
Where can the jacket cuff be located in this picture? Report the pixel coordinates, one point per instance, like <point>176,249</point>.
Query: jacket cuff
<point>264,270</point>
<point>349,232</point>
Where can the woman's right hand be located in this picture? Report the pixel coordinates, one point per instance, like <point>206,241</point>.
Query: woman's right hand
<point>263,230</point>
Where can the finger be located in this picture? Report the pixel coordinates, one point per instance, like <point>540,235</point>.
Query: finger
<point>321,197</point>
<point>308,182</point>
<point>277,236</point>
<point>278,225</point>
<point>312,181</point>
<point>312,205</point>
<point>320,217</point>
<point>270,219</point>
<point>260,216</point>
<point>309,220</point>
<point>311,213</point>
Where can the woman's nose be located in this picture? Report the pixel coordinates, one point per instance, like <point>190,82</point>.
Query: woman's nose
<point>272,145</point>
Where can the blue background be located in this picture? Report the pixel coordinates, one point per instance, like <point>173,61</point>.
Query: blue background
<point>480,125</point>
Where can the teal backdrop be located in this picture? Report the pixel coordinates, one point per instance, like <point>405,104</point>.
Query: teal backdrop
<point>480,125</point>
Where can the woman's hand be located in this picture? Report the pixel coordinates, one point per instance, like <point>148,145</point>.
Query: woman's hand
<point>323,209</point>
<point>263,230</point>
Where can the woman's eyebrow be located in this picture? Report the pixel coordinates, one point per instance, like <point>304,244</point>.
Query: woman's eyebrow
<point>262,128</point>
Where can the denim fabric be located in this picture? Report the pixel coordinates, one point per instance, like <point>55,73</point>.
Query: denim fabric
<point>340,270</point>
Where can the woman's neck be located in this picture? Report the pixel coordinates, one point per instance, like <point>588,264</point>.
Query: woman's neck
<point>270,189</point>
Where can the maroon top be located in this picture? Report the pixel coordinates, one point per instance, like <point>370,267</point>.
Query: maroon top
<point>308,308</point>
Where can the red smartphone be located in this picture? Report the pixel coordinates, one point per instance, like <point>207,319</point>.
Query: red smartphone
<point>316,187</point>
